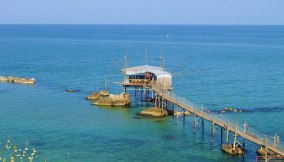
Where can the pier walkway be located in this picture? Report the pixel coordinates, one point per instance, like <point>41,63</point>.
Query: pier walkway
<point>213,118</point>
<point>199,112</point>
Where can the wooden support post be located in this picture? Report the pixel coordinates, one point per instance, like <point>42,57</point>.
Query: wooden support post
<point>266,148</point>
<point>222,135</point>
<point>244,143</point>
<point>159,102</point>
<point>202,124</point>
<point>212,132</point>
<point>124,88</point>
<point>166,105</point>
<point>183,118</point>
<point>276,140</point>
<point>194,123</point>
<point>235,137</point>
<point>227,132</point>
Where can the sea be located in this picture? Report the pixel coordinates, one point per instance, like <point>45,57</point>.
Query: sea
<point>217,66</point>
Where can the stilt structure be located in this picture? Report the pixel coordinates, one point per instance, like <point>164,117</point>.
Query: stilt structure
<point>158,81</point>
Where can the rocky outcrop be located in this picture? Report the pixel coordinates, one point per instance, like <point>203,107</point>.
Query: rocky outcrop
<point>178,113</point>
<point>229,109</point>
<point>154,112</point>
<point>18,80</point>
<point>96,95</point>
<point>103,98</point>
<point>228,148</point>
<point>114,100</point>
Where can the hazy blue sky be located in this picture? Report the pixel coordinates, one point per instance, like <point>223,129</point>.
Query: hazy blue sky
<point>142,11</point>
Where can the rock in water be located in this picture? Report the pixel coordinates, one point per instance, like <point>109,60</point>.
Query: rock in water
<point>96,95</point>
<point>154,112</point>
<point>18,80</point>
<point>114,100</point>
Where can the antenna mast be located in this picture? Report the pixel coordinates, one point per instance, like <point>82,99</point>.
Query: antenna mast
<point>146,56</point>
<point>125,64</point>
<point>162,59</point>
<point>105,85</point>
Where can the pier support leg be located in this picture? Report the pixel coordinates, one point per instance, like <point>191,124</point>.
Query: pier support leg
<point>222,135</point>
<point>202,124</point>
<point>194,123</point>
<point>235,137</point>
<point>244,143</point>
<point>212,133</point>
<point>183,119</point>
<point>227,132</point>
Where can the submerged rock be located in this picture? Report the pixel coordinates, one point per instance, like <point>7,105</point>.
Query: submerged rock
<point>154,112</point>
<point>229,109</point>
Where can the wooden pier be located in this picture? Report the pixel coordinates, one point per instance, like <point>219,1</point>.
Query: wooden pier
<point>159,82</point>
<point>163,96</point>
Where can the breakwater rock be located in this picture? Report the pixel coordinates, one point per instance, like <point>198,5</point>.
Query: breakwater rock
<point>96,95</point>
<point>103,98</point>
<point>11,79</point>
<point>154,112</point>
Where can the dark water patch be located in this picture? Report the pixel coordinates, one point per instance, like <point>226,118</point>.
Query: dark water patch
<point>138,117</point>
<point>37,143</point>
<point>168,137</point>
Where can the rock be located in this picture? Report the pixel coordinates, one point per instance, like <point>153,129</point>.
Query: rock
<point>228,148</point>
<point>230,109</point>
<point>154,112</point>
<point>70,90</point>
<point>104,93</point>
<point>182,113</point>
<point>113,100</point>
<point>94,96</point>
<point>18,80</point>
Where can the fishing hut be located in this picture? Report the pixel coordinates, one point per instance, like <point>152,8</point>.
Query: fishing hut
<point>140,78</point>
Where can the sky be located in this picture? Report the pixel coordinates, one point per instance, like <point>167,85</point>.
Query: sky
<point>239,12</point>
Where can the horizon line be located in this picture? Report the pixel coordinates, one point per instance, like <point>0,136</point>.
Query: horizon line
<point>141,24</point>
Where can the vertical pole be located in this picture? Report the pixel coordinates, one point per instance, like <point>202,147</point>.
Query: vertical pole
<point>156,98</point>
<point>212,132</point>
<point>222,135</point>
<point>161,59</point>
<point>194,123</point>
<point>244,143</point>
<point>266,149</point>
<point>227,132</point>
<point>146,56</point>
<point>202,124</point>
<point>183,118</point>
<point>105,85</point>
<point>235,137</point>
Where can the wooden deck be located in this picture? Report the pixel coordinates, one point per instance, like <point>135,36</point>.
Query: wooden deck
<point>222,124</point>
<point>170,98</point>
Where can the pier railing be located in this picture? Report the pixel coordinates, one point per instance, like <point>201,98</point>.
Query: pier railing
<point>221,119</point>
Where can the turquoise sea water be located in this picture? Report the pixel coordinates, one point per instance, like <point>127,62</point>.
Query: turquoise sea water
<point>218,66</point>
